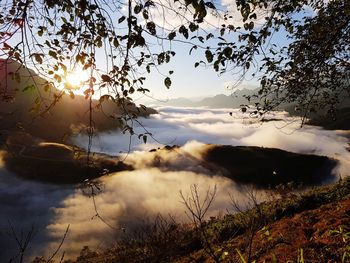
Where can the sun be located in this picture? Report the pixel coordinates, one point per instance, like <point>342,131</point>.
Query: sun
<point>75,81</point>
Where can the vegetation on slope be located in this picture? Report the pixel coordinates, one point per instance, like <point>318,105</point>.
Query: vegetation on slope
<point>33,105</point>
<point>307,227</point>
<point>265,167</point>
<point>56,163</point>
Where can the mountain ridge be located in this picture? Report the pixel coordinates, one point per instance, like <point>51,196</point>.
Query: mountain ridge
<point>234,100</point>
<point>29,103</point>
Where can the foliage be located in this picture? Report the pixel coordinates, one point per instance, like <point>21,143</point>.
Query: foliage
<point>58,36</point>
<point>309,66</point>
<point>164,240</point>
<point>271,166</point>
<point>110,41</point>
<point>311,69</point>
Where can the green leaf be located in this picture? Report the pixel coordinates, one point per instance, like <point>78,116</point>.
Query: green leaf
<point>193,48</point>
<point>115,42</point>
<point>105,98</point>
<point>209,56</point>
<point>151,27</point>
<point>246,26</point>
<point>167,82</point>
<point>58,78</point>
<point>121,19</point>
<point>241,256</point>
<point>106,78</point>
<point>172,35</point>
<point>71,94</point>
<point>193,27</point>
<point>222,31</point>
<point>184,31</point>
<point>253,16</point>
<point>138,9</point>
<point>47,87</point>
<point>210,35</point>
<point>38,58</point>
<point>53,54</point>
<point>29,88</point>
<point>228,52</point>
<point>145,14</point>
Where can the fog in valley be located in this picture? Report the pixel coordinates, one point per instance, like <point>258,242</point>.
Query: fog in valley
<point>128,198</point>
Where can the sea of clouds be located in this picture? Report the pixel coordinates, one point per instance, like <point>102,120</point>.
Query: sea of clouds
<point>127,198</point>
<point>178,126</point>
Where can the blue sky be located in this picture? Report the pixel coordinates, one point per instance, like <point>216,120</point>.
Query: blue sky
<point>188,81</point>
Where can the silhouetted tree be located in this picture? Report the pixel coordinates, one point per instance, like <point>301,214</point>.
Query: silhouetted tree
<point>298,49</point>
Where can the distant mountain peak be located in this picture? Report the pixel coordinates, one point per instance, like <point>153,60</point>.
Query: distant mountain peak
<point>216,101</point>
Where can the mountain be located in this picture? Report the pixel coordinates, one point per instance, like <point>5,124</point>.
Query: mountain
<point>28,103</point>
<point>178,102</point>
<point>234,100</point>
<point>339,119</point>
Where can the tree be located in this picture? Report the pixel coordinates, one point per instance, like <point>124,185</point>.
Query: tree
<point>309,66</point>
<point>54,37</point>
<point>117,42</point>
<point>311,69</point>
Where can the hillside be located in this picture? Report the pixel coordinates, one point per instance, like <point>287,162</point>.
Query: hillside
<point>63,164</point>
<point>251,165</point>
<point>307,227</point>
<point>264,167</point>
<point>340,119</point>
<point>222,101</point>
<point>28,104</point>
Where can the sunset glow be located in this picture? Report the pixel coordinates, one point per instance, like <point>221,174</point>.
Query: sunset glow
<point>75,81</point>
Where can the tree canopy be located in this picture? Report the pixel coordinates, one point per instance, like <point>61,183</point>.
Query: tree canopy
<point>299,50</point>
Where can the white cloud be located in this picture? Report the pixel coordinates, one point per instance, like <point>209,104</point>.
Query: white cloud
<point>127,197</point>
<point>180,125</point>
<point>170,15</point>
<point>130,196</point>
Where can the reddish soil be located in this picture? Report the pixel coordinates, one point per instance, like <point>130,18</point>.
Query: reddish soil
<point>323,234</point>
<point>319,235</point>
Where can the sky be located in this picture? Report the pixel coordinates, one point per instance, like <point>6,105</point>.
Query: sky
<point>187,81</point>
